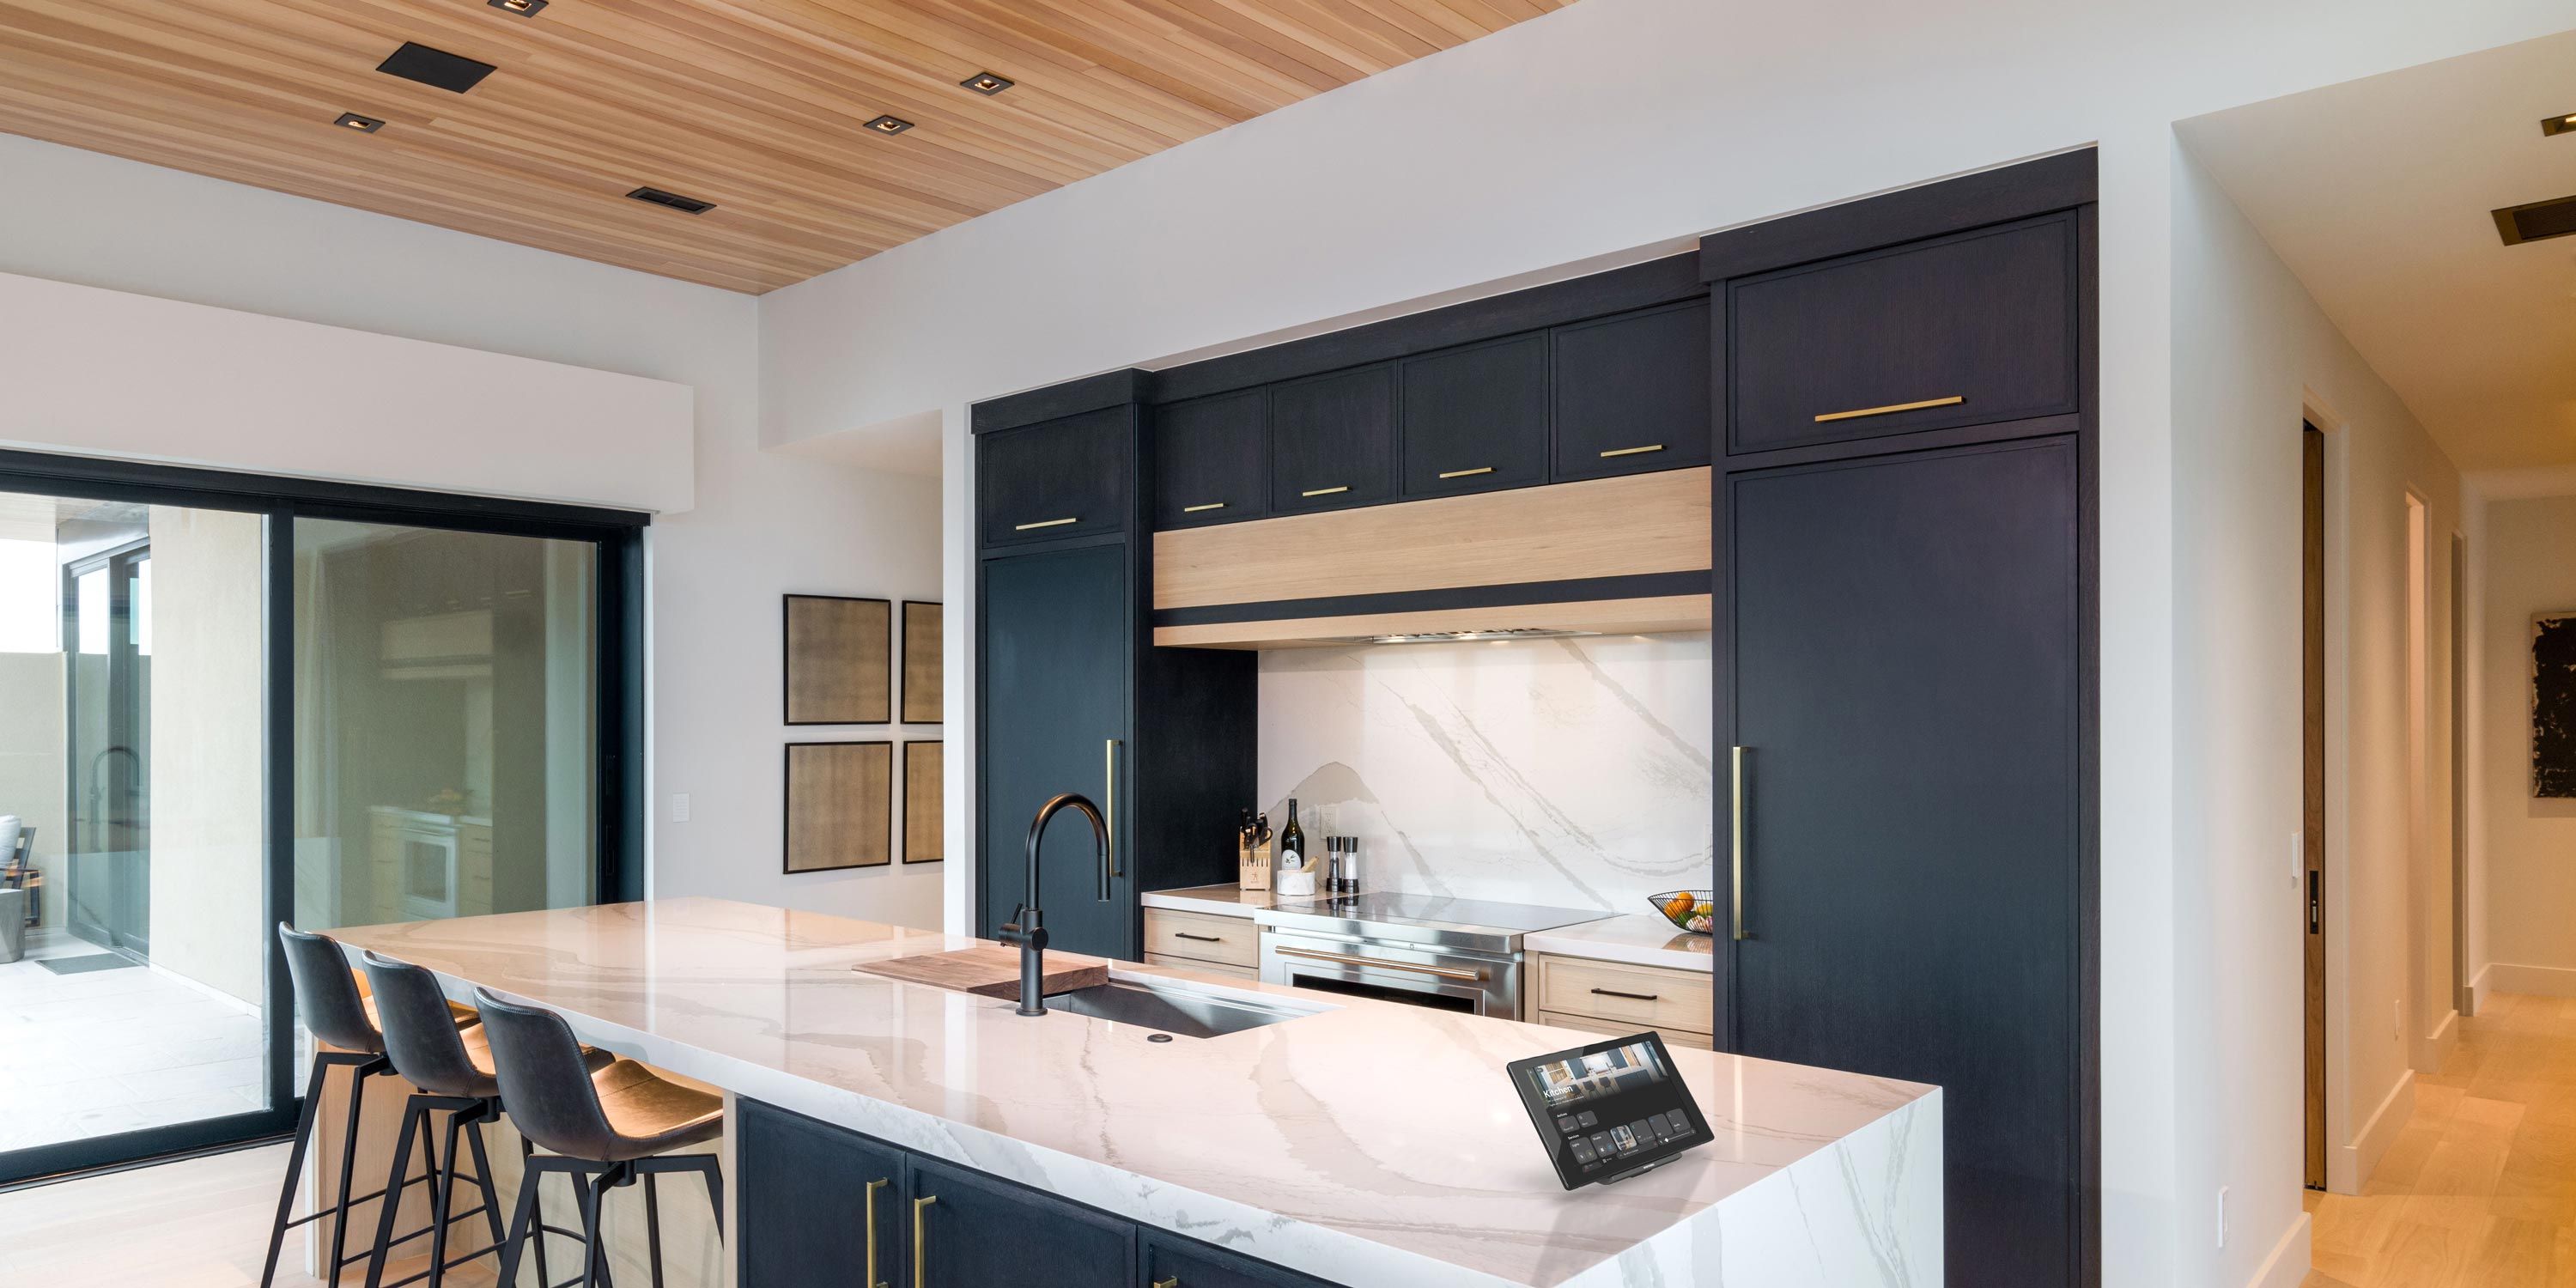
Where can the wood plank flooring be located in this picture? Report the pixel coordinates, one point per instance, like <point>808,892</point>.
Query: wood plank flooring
<point>2479,1188</point>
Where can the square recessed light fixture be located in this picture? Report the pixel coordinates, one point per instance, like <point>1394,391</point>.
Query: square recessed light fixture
<point>2559,124</point>
<point>984,83</point>
<point>672,199</point>
<point>889,125</point>
<point>523,8</point>
<point>2537,221</point>
<point>362,124</point>
<point>454,73</point>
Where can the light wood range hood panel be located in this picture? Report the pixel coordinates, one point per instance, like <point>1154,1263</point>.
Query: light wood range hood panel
<point>1628,555</point>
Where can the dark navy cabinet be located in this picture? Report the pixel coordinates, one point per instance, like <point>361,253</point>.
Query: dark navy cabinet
<point>1332,441</point>
<point>1475,419</point>
<point>1212,460</point>
<point>806,1191</point>
<point>1066,478</point>
<point>1632,393</point>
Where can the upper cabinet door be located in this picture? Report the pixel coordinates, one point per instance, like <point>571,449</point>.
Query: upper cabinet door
<point>1632,393</point>
<point>1475,419</point>
<point>1212,460</point>
<point>1059,478</point>
<point>1969,329</point>
<point>1332,441</point>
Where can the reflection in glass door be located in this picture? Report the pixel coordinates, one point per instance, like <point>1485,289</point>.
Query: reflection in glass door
<point>107,714</point>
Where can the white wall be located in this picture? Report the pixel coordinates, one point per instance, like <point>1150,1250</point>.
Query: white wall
<point>1615,127</point>
<point>207,919</point>
<point>2529,886</point>
<point>761,524</point>
<point>2253,354</point>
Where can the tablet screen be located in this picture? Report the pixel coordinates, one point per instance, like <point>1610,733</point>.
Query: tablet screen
<point>1609,1110</point>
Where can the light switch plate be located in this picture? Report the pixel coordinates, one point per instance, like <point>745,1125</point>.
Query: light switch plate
<point>679,807</point>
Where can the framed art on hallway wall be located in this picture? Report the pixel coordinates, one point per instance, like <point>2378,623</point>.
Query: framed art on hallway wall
<point>923,695</point>
<point>839,806</point>
<point>836,659</point>
<point>924,821</point>
<point>2553,704</point>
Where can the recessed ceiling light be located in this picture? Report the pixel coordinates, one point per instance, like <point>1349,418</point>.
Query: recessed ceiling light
<point>2537,221</point>
<point>523,8</point>
<point>984,83</point>
<point>2559,124</point>
<point>362,124</point>
<point>454,73</point>
<point>889,125</point>
<point>672,199</point>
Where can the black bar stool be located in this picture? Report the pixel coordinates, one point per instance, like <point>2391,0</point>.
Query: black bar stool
<point>451,1071</point>
<point>326,992</point>
<point>609,1125</point>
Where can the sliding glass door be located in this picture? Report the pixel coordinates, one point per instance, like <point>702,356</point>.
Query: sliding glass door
<point>237,701</point>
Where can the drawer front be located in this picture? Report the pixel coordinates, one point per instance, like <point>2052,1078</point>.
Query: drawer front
<point>1964,330</point>
<point>1639,995</point>
<point>1632,393</point>
<point>1062,478</point>
<point>1332,441</point>
<point>1230,941</point>
<point>1586,1023</point>
<point>1204,968</point>
<point>1476,419</point>
<point>1185,1263</point>
<point>1212,460</point>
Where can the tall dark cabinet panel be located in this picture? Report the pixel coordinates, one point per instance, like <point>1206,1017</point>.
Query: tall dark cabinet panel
<point>1907,675</point>
<point>1071,694</point>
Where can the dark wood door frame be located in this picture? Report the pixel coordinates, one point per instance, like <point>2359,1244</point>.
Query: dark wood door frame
<point>2312,834</point>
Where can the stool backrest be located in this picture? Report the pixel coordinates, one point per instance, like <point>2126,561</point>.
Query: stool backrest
<point>420,1032</point>
<point>327,993</point>
<point>543,1079</point>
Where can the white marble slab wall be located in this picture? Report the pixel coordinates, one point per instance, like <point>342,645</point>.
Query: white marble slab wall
<point>1570,772</point>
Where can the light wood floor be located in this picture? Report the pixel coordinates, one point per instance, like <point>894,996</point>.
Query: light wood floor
<point>202,1223</point>
<point>2479,1188</point>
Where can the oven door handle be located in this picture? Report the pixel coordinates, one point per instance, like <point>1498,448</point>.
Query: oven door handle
<point>1444,972</point>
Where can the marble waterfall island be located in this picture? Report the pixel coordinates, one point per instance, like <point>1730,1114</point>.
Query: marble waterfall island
<point>1362,1142</point>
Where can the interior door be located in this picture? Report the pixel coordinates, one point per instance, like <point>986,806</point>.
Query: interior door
<point>1055,718</point>
<point>1902,665</point>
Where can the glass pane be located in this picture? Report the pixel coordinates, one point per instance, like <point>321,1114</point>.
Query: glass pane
<point>444,697</point>
<point>131,787</point>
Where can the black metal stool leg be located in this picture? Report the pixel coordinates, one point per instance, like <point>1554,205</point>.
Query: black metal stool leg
<point>396,1181</point>
<point>594,1248</point>
<point>529,1176</point>
<point>653,1228</point>
<point>294,1169</point>
<point>517,1239</point>
<point>442,1198</point>
<point>348,1164</point>
<point>483,1172</point>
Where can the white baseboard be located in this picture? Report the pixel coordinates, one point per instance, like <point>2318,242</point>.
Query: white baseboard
<point>2479,987</point>
<point>200,986</point>
<point>2287,1267</point>
<point>2513,977</point>
<point>2347,1166</point>
<point>2438,1044</point>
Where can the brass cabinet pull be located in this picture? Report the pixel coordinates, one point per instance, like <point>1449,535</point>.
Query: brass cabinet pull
<point>1444,972</point>
<point>1109,807</point>
<point>1211,505</point>
<point>1737,763</point>
<point>1632,451</point>
<point>1043,523</point>
<point>1461,474</point>
<point>921,1241</point>
<point>1633,997</point>
<point>1325,491</point>
<point>1858,412</point>
<point>1173,1281</point>
<point>1204,939</point>
<point>873,1187</point>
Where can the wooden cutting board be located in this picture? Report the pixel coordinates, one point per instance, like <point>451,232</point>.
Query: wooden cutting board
<point>991,970</point>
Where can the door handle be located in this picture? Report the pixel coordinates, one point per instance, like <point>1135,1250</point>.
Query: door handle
<point>921,1241</point>
<point>1345,959</point>
<point>1633,997</point>
<point>1205,505</point>
<point>873,1187</point>
<point>1044,523</point>
<point>1325,491</point>
<point>1890,409</point>
<point>1204,939</point>
<point>2316,907</point>
<point>1466,474</point>
<point>1736,763</point>
<point>1109,807</point>
<point>1169,1281</point>
<point>1632,451</point>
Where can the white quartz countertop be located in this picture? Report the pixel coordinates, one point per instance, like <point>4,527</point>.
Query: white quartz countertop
<point>1368,1143</point>
<point>1215,900</point>
<point>1642,939</point>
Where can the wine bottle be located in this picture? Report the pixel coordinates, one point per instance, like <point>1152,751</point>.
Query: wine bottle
<point>1292,842</point>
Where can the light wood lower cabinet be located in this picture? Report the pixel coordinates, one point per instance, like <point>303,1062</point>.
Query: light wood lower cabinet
<point>1615,997</point>
<point>1205,968</point>
<point>1198,939</point>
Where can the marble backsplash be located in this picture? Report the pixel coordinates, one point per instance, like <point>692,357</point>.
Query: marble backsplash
<point>1569,772</point>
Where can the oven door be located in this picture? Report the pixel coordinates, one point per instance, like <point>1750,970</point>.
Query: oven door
<point>1440,978</point>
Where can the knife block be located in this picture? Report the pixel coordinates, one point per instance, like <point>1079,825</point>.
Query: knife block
<point>1252,867</point>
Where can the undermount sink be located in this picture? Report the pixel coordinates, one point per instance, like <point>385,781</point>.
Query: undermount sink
<point>1183,1012</point>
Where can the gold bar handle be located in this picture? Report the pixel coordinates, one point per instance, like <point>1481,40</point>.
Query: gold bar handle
<point>1109,808</point>
<point>1464,474</point>
<point>1890,409</point>
<point>1173,1281</point>
<point>921,1241</point>
<point>873,1187</point>
<point>1211,505</point>
<point>1044,523</point>
<point>1444,972</point>
<point>1737,766</point>
<point>1325,491</point>
<point>1632,451</point>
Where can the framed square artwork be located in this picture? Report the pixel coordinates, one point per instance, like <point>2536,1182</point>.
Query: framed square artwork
<point>838,661</point>
<point>840,806</point>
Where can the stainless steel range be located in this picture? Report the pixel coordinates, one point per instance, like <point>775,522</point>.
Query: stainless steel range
<point>1451,954</point>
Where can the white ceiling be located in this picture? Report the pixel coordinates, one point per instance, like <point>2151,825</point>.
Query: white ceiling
<point>2377,194</point>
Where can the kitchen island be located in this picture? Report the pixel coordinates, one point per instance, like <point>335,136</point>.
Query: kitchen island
<point>1359,1143</point>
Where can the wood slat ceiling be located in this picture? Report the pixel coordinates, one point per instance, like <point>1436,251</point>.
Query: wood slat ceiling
<point>757,105</point>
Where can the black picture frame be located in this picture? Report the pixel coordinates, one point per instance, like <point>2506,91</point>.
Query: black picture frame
<point>906,673</point>
<point>867,707</point>
<point>878,822</point>
<point>938,802</point>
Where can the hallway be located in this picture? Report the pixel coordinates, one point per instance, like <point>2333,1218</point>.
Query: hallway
<point>2480,1186</point>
